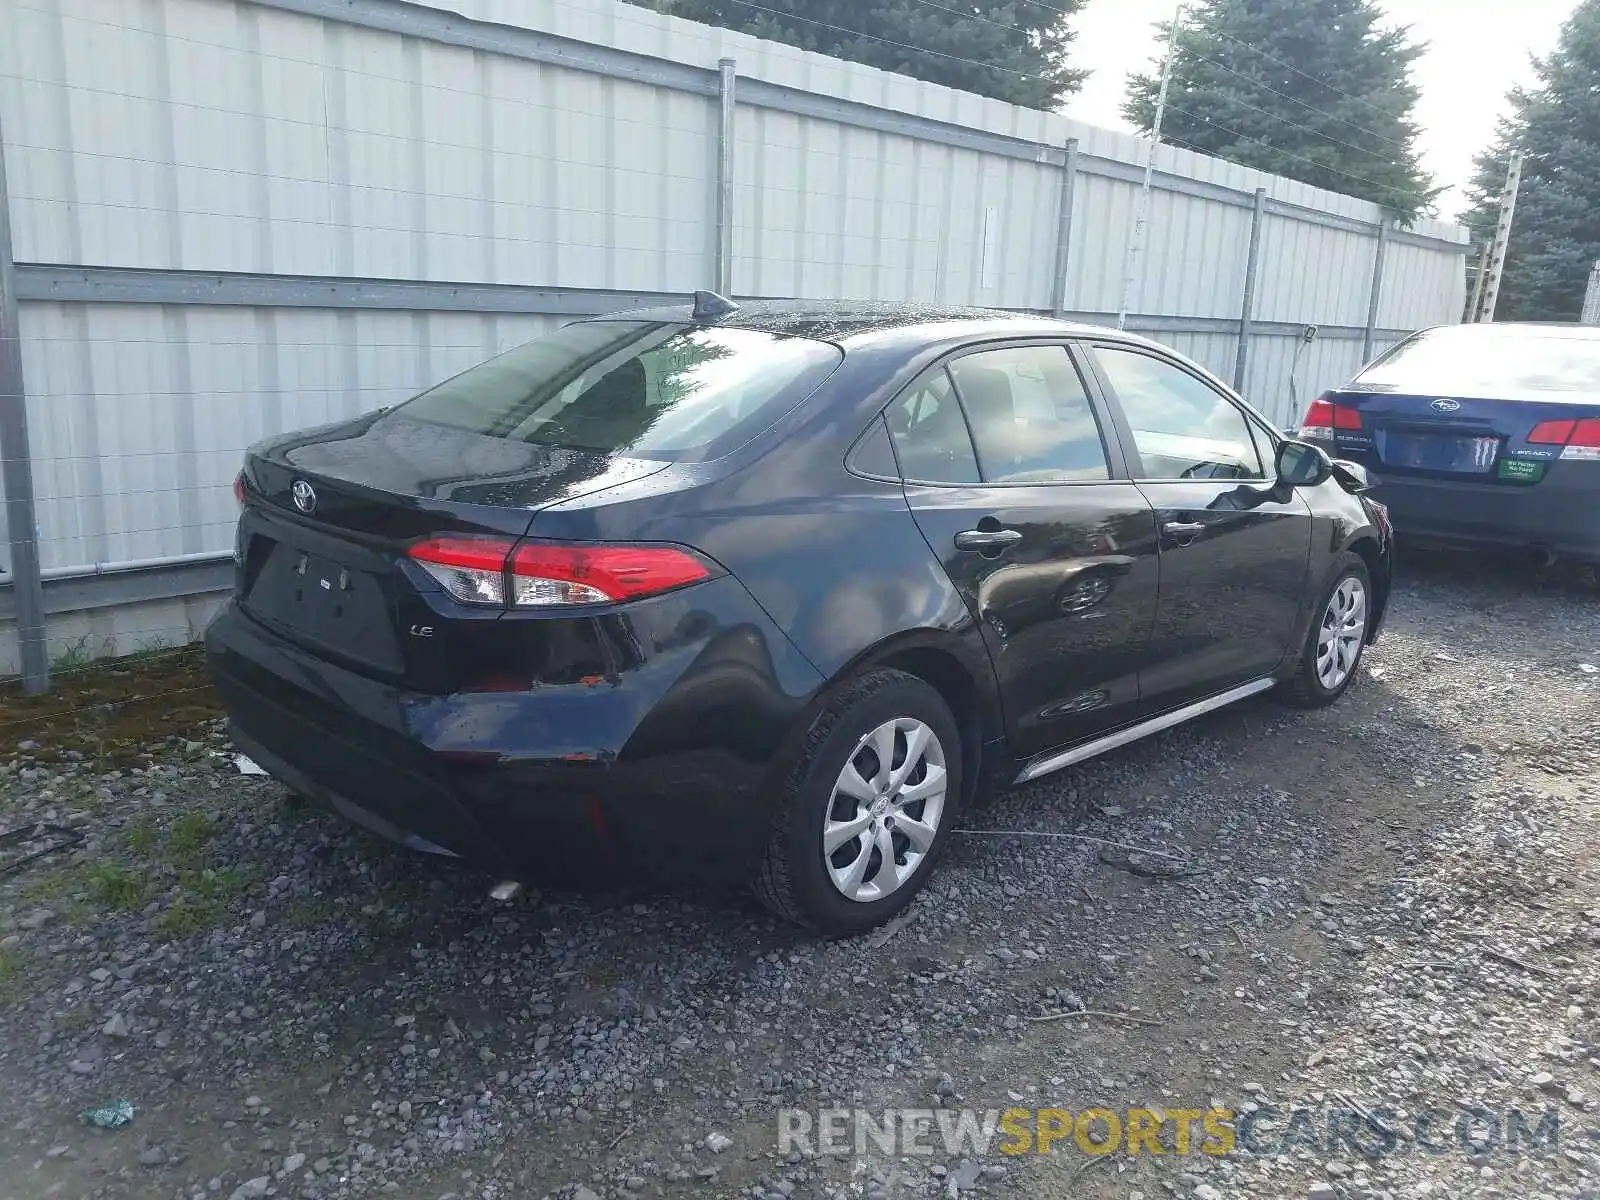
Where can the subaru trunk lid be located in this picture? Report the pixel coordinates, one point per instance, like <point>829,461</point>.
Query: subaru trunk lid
<point>1501,404</point>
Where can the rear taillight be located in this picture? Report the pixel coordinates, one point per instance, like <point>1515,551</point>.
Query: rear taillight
<point>493,571</point>
<point>238,489</point>
<point>473,570</point>
<point>547,573</point>
<point>1584,434</point>
<point>1325,414</point>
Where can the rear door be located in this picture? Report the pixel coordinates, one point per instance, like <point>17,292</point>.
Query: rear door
<point>1019,488</point>
<point>1234,548</point>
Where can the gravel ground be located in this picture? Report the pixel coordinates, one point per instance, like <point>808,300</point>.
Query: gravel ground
<point>1386,909</point>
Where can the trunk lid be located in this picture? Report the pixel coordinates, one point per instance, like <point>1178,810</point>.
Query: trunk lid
<point>595,407</point>
<point>1429,435</point>
<point>322,544</point>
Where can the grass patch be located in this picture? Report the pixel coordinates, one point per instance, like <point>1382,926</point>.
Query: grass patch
<point>205,899</point>
<point>141,836</point>
<point>186,917</point>
<point>220,885</point>
<point>117,886</point>
<point>73,656</point>
<point>149,649</point>
<point>309,914</point>
<point>75,1020</point>
<point>399,895</point>
<point>49,884</point>
<point>189,836</point>
<point>10,974</point>
<point>111,709</point>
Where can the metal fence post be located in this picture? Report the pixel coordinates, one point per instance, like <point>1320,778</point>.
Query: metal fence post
<point>1069,176</point>
<point>1247,307</point>
<point>1370,333</point>
<point>21,527</point>
<point>725,102</point>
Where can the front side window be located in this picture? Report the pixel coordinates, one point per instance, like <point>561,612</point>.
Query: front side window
<point>930,435</point>
<point>1030,416</point>
<point>642,389</point>
<point>1182,427</point>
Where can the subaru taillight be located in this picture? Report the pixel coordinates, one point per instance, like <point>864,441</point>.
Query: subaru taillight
<point>239,493</point>
<point>1325,414</point>
<point>505,574</point>
<point>1584,434</point>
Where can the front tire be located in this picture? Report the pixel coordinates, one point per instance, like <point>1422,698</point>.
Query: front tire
<point>865,810</point>
<point>1332,652</point>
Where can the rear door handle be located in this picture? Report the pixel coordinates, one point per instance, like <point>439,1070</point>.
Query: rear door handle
<point>987,539</point>
<point>1183,528</point>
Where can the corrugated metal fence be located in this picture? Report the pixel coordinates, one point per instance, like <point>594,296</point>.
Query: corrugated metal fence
<point>232,217</point>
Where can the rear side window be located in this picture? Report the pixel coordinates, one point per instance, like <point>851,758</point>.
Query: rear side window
<point>1030,416</point>
<point>930,435</point>
<point>642,389</point>
<point>1488,362</point>
<point>1183,428</point>
<point>873,456</point>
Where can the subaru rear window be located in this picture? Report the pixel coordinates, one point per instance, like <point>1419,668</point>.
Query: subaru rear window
<point>635,388</point>
<point>1486,362</point>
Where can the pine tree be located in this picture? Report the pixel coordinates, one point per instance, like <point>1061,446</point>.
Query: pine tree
<point>1311,89</point>
<point>1013,50</point>
<point>1555,235</point>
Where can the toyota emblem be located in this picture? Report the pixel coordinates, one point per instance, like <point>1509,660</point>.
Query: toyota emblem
<point>305,496</point>
<point>1444,405</point>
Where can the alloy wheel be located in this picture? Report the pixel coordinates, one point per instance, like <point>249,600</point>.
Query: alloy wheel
<point>885,810</point>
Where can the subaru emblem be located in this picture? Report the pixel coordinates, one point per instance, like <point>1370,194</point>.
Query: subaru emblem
<point>305,496</point>
<point>1446,405</point>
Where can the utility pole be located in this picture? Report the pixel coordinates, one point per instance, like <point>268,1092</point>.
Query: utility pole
<point>1479,274</point>
<point>1488,290</point>
<point>1591,299</point>
<point>1142,204</point>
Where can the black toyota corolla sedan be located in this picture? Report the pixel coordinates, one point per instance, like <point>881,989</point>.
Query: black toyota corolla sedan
<point>774,593</point>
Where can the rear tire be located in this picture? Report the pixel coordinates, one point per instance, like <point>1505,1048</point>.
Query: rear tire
<point>1332,652</point>
<point>841,806</point>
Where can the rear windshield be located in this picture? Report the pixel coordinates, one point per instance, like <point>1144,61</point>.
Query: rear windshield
<point>1483,362</point>
<point>635,388</point>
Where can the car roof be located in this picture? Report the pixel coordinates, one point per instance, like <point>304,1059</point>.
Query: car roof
<point>841,321</point>
<point>1531,329</point>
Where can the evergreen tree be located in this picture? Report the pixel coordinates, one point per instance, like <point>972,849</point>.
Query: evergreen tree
<point>1013,50</point>
<point>1311,89</point>
<point>1555,234</point>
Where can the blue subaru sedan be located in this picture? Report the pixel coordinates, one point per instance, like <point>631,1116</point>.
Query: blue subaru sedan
<point>1479,435</point>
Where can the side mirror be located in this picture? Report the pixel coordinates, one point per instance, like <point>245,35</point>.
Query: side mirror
<point>1353,477</point>
<point>1301,464</point>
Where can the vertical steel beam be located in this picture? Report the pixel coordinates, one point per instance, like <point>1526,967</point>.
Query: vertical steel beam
<point>1069,178</point>
<point>1247,307</point>
<point>725,102</point>
<point>21,526</point>
<point>1376,297</point>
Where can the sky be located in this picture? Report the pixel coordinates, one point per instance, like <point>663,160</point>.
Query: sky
<point>1477,49</point>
